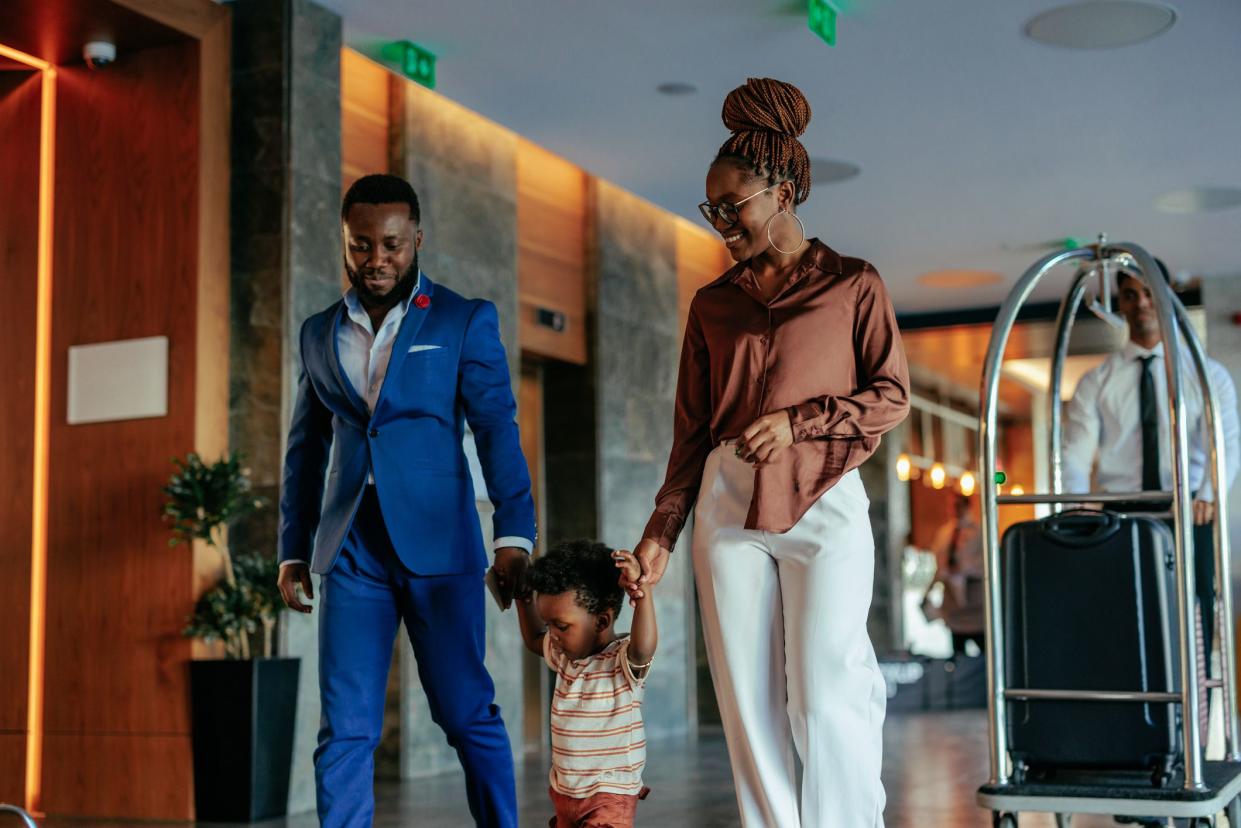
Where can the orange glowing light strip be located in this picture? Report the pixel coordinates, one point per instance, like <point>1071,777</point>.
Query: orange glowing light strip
<point>42,422</point>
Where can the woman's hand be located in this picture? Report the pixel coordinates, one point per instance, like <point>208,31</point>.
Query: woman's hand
<point>654,560</point>
<point>766,438</point>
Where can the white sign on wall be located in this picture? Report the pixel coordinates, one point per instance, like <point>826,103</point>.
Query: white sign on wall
<point>124,380</point>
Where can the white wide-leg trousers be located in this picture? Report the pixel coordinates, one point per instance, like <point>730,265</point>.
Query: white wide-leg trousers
<point>784,620</point>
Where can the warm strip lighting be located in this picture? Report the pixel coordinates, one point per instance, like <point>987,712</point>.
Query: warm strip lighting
<point>21,57</point>
<point>938,476</point>
<point>904,467</point>
<point>967,484</point>
<point>42,422</point>
<point>1016,491</point>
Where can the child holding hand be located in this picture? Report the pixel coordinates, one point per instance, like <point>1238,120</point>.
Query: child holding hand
<point>598,741</point>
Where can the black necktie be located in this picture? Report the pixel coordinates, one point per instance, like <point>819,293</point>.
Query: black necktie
<point>1150,428</point>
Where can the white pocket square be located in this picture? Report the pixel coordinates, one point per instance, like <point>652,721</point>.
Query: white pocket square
<point>414,349</point>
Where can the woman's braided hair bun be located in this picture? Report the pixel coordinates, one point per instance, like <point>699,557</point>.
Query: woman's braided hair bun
<point>765,117</point>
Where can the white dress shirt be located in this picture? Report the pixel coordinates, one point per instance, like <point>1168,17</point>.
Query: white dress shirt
<point>1104,418</point>
<point>364,356</point>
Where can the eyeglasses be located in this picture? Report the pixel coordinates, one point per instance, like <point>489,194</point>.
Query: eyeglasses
<point>726,210</point>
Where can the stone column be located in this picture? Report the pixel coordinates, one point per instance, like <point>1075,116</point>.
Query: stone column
<point>463,168</point>
<point>636,344</point>
<point>889,520</point>
<point>286,264</point>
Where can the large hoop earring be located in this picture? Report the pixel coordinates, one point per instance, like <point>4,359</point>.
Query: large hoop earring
<point>800,226</point>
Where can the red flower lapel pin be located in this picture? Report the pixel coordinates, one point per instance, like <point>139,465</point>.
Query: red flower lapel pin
<point>423,301</point>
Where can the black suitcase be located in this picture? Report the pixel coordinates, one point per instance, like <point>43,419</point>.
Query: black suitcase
<point>1090,604</point>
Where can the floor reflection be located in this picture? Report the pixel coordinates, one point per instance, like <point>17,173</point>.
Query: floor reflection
<point>933,763</point>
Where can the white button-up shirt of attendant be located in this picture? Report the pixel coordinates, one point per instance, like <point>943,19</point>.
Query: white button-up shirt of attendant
<point>381,259</point>
<point>1105,416</point>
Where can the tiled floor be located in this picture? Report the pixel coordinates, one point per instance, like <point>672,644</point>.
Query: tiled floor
<point>932,765</point>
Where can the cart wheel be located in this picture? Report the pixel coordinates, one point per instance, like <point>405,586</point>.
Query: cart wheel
<point>999,820</point>
<point>1064,820</point>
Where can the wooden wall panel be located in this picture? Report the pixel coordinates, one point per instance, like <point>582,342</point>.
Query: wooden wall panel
<point>20,101</point>
<point>364,117</point>
<point>13,767</point>
<point>126,265</point>
<point>701,257</point>
<point>551,252</point>
<point>91,788</point>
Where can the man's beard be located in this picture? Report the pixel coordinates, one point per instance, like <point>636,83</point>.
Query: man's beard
<point>399,293</point>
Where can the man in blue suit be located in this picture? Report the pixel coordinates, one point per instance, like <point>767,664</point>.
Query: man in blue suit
<point>389,376</point>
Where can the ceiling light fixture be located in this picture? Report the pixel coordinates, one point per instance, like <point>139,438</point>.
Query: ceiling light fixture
<point>832,171</point>
<point>1100,24</point>
<point>967,484</point>
<point>676,88</point>
<point>904,467</point>
<point>1199,200</point>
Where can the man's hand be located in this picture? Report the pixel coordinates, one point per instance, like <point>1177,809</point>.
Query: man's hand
<point>653,559</point>
<point>1204,512</point>
<point>291,576</point>
<point>765,438</point>
<point>510,569</point>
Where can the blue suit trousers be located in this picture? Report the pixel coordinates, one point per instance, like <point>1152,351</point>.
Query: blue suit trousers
<point>363,601</point>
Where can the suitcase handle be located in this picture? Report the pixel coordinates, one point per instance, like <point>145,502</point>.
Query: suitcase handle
<point>1081,527</point>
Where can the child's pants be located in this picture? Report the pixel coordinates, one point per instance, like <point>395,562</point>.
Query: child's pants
<point>603,810</point>
<point>784,619</point>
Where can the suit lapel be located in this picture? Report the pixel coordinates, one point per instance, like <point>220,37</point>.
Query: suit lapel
<point>410,325</point>
<point>332,357</point>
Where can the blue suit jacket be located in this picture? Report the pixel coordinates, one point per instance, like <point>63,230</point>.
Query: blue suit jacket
<point>458,372</point>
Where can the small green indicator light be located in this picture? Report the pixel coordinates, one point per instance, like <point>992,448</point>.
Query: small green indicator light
<point>821,18</point>
<point>1000,478</point>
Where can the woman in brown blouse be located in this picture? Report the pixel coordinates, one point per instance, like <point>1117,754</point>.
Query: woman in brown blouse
<point>791,370</point>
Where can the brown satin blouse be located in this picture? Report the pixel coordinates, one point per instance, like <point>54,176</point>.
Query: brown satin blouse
<point>826,349</point>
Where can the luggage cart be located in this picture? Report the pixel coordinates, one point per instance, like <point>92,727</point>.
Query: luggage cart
<point>1209,787</point>
<point>21,814</point>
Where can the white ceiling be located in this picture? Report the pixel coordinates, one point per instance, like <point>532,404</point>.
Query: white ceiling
<point>970,137</point>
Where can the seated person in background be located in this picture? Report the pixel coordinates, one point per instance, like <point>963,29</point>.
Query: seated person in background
<point>1119,412</point>
<point>598,741</point>
<point>958,559</point>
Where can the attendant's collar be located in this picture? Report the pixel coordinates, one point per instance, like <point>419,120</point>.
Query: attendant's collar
<point>1132,350</point>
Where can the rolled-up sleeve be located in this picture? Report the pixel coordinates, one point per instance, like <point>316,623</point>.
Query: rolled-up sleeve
<point>881,401</point>
<point>1082,427</point>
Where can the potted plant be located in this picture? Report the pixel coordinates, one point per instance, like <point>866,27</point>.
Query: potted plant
<point>242,705</point>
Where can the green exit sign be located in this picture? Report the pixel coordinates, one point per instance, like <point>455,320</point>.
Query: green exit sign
<point>822,20</point>
<point>416,63</point>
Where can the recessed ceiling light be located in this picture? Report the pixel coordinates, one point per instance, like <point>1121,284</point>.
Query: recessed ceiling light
<point>676,88</point>
<point>1199,200</point>
<point>1101,24</point>
<point>959,278</point>
<point>832,171</point>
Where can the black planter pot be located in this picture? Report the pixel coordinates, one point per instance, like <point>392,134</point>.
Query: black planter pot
<point>243,714</point>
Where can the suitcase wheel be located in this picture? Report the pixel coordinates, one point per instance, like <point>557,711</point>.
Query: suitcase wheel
<point>1003,820</point>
